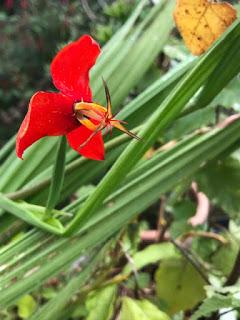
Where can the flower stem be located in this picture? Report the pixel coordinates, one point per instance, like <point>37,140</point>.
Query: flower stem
<point>57,179</point>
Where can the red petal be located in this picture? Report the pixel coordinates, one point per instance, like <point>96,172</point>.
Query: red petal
<point>70,68</point>
<point>94,149</point>
<point>49,114</point>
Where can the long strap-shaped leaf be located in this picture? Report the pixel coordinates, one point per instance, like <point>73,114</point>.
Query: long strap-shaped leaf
<point>175,164</point>
<point>52,310</point>
<point>33,218</point>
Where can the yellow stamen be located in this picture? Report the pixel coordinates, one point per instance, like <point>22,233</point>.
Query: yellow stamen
<point>93,111</point>
<point>81,106</point>
<point>88,124</point>
<point>87,112</point>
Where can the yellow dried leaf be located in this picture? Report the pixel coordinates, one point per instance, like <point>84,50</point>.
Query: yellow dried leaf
<point>201,22</point>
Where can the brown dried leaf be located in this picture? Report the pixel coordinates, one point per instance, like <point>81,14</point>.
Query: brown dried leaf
<point>201,22</point>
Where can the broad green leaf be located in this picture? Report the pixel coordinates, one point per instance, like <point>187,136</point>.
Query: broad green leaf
<point>179,286</point>
<point>26,306</point>
<point>152,311</point>
<point>100,304</point>
<point>131,310</point>
<point>151,254</point>
<point>144,310</point>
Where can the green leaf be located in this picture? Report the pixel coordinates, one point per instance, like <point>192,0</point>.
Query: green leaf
<point>136,53</point>
<point>219,77</point>
<point>57,178</point>
<point>179,285</point>
<point>141,107</point>
<point>221,182</point>
<point>151,254</point>
<point>32,217</point>
<point>144,310</point>
<point>152,311</point>
<point>26,306</point>
<point>191,122</point>
<point>113,46</point>
<point>80,170</point>
<point>15,172</point>
<point>7,148</point>
<point>54,223</point>
<point>131,310</point>
<point>100,303</point>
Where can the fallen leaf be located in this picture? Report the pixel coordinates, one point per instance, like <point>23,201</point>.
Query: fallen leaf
<point>201,22</point>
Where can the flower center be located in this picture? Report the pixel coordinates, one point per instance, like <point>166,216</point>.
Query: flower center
<point>91,115</point>
<point>97,118</point>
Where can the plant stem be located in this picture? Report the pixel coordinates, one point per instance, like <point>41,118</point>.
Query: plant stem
<point>190,259</point>
<point>57,178</point>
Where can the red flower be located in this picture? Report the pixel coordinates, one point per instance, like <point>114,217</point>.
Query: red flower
<point>70,112</point>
